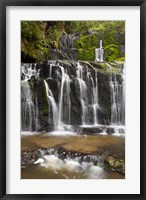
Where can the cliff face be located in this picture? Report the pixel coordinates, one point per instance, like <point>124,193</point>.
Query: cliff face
<point>54,41</point>
<point>71,93</point>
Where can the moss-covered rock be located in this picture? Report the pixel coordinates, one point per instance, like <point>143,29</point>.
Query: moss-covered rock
<point>115,164</point>
<point>87,44</point>
<point>39,37</point>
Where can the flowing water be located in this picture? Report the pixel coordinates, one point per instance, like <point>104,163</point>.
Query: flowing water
<point>72,157</point>
<point>117,98</point>
<point>83,93</point>
<point>60,107</point>
<point>68,107</point>
<point>51,101</point>
<point>29,105</point>
<point>99,53</point>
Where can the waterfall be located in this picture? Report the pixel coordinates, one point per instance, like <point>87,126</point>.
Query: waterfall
<point>114,102</point>
<point>117,98</point>
<point>95,104</point>
<point>123,95</point>
<point>29,107</point>
<point>64,97</point>
<point>99,53</point>
<point>51,100</point>
<point>36,115</point>
<point>75,94</point>
<point>29,71</point>
<point>83,93</point>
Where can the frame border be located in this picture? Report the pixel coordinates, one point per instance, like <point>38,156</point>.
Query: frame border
<point>3,5</point>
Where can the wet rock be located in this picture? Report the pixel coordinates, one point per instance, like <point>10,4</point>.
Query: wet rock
<point>29,157</point>
<point>90,131</point>
<point>50,71</point>
<point>115,164</point>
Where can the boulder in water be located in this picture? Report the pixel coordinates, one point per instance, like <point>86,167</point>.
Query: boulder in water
<point>115,164</point>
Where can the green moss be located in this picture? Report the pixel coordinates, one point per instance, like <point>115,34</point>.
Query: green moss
<point>78,44</point>
<point>86,55</point>
<point>112,52</point>
<point>103,64</point>
<point>80,54</point>
<point>37,37</point>
<point>121,59</point>
<point>89,54</point>
<point>86,42</point>
<point>45,101</point>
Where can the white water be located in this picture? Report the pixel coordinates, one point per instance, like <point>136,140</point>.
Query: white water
<point>73,166</point>
<point>59,114</point>
<point>51,101</point>
<point>58,110</point>
<point>95,104</point>
<point>117,98</point>
<point>123,96</point>
<point>28,70</point>
<point>29,108</point>
<point>83,93</point>
<point>99,53</point>
<point>65,82</point>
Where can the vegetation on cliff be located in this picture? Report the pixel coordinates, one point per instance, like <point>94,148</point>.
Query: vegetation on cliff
<point>39,37</point>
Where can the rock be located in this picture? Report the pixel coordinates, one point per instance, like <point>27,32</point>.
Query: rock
<point>115,164</point>
<point>51,72</point>
<point>29,157</point>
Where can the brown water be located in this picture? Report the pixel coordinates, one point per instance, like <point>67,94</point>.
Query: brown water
<point>55,168</point>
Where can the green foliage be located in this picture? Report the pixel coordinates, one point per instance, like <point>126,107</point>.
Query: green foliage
<point>112,51</point>
<point>37,38</point>
<point>80,54</point>
<point>89,54</point>
<point>86,42</point>
<point>32,37</point>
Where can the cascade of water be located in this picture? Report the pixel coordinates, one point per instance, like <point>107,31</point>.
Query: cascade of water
<point>29,105</point>
<point>68,96</point>
<point>83,94</point>
<point>99,53</point>
<point>51,100</point>
<point>61,97</point>
<point>36,115</point>
<point>123,95</point>
<point>28,71</point>
<point>60,111</point>
<point>95,104</point>
<point>114,108</point>
<point>64,82</point>
<point>117,99</point>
